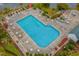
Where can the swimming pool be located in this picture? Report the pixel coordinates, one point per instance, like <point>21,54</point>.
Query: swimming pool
<point>40,33</point>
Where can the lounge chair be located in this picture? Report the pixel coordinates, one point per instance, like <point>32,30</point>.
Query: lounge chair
<point>31,49</point>
<point>38,50</point>
<point>16,33</point>
<point>27,41</point>
<point>19,35</point>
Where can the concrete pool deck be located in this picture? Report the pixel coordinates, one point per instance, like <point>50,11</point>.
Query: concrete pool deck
<point>26,44</point>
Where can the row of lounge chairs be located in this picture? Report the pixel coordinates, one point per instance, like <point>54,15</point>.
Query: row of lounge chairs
<point>16,11</point>
<point>16,32</point>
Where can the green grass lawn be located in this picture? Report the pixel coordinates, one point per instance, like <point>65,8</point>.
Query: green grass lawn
<point>7,48</point>
<point>4,53</point>
<point>12,49</point>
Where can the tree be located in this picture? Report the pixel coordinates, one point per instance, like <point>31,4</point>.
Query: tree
<point>62,6</point>
<point>3,34</point>
<point>27,53</point>
<point>7,10</point>
<point>46,5</point>
<point>41,5</point>
<point>77,6</point>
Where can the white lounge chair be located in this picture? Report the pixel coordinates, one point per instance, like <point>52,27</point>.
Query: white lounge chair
<point>38,50</point>
<point>31,49</point>
<point>16,33</point>
<point>19,35</point>
<point>27,41</point>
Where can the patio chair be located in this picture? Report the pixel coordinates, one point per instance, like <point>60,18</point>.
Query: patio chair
<point>20,36</point>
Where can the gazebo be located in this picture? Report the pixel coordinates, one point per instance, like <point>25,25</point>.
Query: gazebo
<point>74,34</point>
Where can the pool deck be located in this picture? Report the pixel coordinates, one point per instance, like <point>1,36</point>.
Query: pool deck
<point>26,44</point>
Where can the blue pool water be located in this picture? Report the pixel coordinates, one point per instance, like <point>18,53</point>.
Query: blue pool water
<point>41,34</point>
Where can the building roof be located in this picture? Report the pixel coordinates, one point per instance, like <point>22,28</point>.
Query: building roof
<point>75,31</point>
